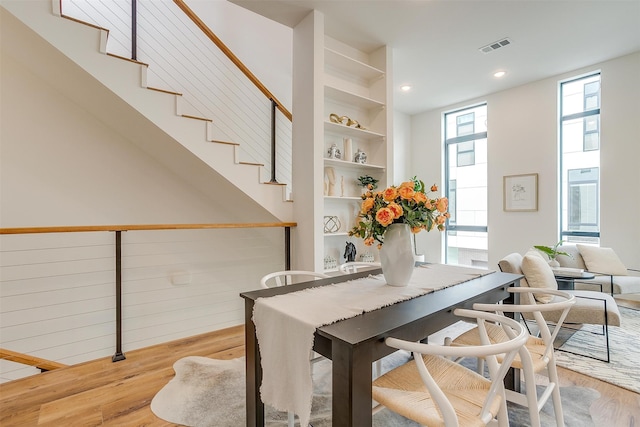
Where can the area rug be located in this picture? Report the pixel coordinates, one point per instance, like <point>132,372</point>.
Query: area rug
<point>624,341</point>
<point>210,393</point>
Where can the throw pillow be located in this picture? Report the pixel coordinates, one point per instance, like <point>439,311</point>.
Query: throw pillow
<point>538,275</point>
<point>602,260</point>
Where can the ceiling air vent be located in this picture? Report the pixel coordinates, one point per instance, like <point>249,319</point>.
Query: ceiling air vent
<point>495,45</point>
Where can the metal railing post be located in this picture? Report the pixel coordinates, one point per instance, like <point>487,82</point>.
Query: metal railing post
<point>134,29</point>
<point>287,248</point>
<point>118,355</point>
<point>273,141</point>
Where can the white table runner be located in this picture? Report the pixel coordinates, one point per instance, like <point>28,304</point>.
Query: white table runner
<point>285,326</point>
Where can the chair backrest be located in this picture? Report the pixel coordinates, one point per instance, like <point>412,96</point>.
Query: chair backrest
<point>355,266</point>
<point>517,337</point>
<point>512,263</point>
<point>561,303</point>
<point>287,277</point>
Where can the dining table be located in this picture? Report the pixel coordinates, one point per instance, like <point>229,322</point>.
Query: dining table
<point>354,343</point>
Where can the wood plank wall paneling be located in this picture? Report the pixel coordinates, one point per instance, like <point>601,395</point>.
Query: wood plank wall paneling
<point>182,59</point>
<point>57,291</point>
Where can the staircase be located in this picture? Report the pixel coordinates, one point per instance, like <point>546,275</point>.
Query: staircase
<point>73,58</point>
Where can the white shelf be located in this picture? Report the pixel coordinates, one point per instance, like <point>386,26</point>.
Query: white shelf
<point>345,198</point>
<point>351,98</point>
<point>352,132</point>
<point>359,90</point>
<point>350,65</point>
<point>352,165</point>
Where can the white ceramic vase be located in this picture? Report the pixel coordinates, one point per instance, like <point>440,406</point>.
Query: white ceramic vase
<point>396,255</point>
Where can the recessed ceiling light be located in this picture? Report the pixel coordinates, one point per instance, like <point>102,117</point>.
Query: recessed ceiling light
<point>499,74</point>
<point>405,88</point>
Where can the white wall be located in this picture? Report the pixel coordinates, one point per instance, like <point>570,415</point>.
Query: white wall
<point>401,148</point>
<point>522,138</point>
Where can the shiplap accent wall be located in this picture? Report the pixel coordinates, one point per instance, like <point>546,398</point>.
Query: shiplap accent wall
<point>61,165</point>
<point>182,59</point>
<point>58,290</point>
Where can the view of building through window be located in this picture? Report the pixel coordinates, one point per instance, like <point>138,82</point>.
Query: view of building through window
<point>466,186</point>
<point>580,159</point>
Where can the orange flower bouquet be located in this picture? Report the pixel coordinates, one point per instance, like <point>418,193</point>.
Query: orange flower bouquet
<point>407,203</point>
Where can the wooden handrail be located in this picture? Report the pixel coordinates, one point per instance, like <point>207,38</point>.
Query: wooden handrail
<point>139,227</point>
<point>25,359</point>
<point>182,5</point>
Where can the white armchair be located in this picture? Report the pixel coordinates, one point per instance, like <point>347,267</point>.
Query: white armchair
<point>591,307</point>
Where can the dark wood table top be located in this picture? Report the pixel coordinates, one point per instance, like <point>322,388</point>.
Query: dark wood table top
<point>354,343</point>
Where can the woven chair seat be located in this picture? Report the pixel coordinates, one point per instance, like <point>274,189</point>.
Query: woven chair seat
<point>402,391</point>
<point>496,334</point>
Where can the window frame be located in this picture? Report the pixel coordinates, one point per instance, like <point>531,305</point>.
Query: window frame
<point>564,229</point>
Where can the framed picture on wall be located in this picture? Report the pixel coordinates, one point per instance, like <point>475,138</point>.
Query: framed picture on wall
<point>520,193</point>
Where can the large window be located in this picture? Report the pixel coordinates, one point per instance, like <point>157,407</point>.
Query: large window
<point>465,133</point>
<point>580,159</point>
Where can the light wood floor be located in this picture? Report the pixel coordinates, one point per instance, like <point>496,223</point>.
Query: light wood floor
<point>103,393</point>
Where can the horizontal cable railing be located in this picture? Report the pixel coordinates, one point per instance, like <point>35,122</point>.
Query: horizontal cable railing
<point>196,20</point>
<point>186,57</point>
<point>52,282</point>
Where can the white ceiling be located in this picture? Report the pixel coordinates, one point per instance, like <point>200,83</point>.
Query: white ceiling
<point>436,42</point>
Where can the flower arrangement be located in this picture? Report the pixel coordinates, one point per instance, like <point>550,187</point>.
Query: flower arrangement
<point>407,203</point>
<point>368,182</point>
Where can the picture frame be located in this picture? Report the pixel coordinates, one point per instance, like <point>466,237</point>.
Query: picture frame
<point>520,193</point>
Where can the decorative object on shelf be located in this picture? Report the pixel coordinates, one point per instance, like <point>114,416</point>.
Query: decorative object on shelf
<point>346,148</point>
<point>330,173</point>
<point>367,182</point>
<point>344,120</point>
<point>334,152</point>
<point>366,257</point>
<point>334,118</point>
<point>330,262</point>
<point>552,252</point>
<point>331,224</point>
<point>360,157</point>
<point>406,204</point>
<point>350,252</point>
<point>396,255</point>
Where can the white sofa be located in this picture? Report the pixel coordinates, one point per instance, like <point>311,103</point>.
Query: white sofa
<point>611,274</point>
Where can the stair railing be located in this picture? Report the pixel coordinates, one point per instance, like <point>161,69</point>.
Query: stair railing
<point>118,229</point>
<point>221,100</point>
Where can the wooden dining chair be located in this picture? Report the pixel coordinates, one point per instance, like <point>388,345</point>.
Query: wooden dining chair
<point>436,391</point>
<point>537,355</point>
<point>355,266</point>
<point>287,277</point>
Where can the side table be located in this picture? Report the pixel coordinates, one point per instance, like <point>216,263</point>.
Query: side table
<point>567,281</point>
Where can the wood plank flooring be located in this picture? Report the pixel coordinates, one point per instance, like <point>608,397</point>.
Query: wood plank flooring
<point>103,393</point>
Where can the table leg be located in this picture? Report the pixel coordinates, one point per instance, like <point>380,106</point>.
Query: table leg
<point>255,407</point>
<point>565,284</point>
<point>351,385</point>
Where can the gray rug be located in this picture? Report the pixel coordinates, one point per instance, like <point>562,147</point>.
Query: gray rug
<point>210,393</point>
<point>624,341</point>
